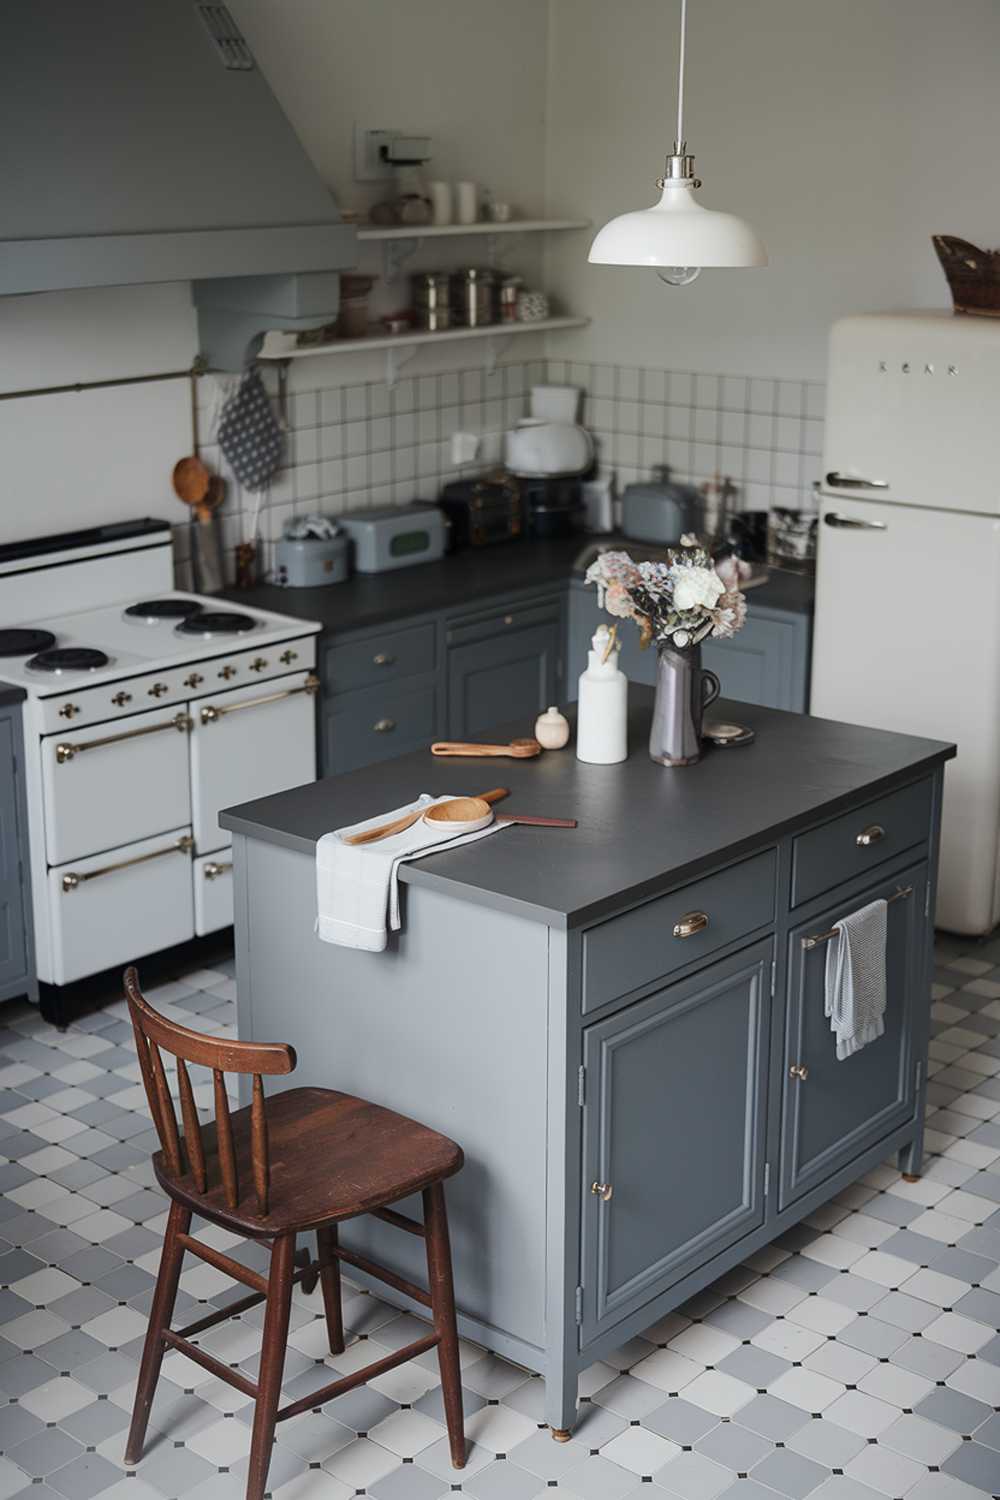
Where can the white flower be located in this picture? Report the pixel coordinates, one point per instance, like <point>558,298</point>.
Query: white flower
<point>681,638</point>
<point>690,539</point>
<point>696,588</point>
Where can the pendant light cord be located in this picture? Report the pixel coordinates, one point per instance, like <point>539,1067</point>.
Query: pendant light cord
<point>679,142</point>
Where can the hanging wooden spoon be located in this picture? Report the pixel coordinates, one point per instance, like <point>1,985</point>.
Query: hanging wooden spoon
<point>191,478</point>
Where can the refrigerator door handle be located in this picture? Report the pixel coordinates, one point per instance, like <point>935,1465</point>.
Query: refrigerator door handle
<point>838,481</point>
<point>849,523</point>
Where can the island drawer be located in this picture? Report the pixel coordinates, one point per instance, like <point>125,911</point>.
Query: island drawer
<point>375,724</point>
<point>858,841</point>
<point>391,656</point>
<point>653,940</point>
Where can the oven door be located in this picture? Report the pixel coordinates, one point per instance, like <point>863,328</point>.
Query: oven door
<point>248,743</point>
<point>213,892</point>
<point>115,783</point>
<point>114,907</point>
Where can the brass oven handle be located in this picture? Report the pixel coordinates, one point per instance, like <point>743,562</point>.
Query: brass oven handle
<point>824,937</point>
<point>602,1190</point>
<point>870,835</point>
<point>184,845</point>
<point>181,722</point>
<point>213,870</point>
<point>690,923</point>
<point>210,713</point>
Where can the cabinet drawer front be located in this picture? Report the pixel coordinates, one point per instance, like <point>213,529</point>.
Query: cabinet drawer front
<point>632,950</point>
<point>858,841</point>
<point>840,1108</point>
<point>389,657</point>
<point>375,724</point>
<point>500,622</point>
<point>674,1128</point>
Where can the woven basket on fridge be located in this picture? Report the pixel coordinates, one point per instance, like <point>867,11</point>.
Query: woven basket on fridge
<point>973,275</point>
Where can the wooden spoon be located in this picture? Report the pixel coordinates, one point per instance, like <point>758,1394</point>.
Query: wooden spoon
<point>399,825</point>
<point>191,479</point>
<point>517,749</point>
<point>535,822</point>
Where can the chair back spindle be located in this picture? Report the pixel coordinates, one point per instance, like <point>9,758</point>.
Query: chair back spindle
<point>154,1032</point>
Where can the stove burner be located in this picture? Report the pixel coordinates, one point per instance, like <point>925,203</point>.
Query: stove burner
<point>69,659</point>
<point>25,642</point>
<point>152,611</point>
<point>209,622</point>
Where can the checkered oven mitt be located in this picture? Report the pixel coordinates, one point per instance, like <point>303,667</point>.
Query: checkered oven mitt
<point>249,434</point>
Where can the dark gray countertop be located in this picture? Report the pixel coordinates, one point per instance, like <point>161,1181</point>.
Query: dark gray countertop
<point>11,694</point>
<point>642,828</point>
<point>468,578</point>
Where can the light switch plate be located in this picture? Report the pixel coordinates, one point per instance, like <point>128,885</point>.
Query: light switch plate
<point>368,164</point>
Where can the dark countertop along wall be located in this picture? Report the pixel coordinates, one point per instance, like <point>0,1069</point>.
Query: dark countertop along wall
<point>642,828</point>
<point>468,578</point>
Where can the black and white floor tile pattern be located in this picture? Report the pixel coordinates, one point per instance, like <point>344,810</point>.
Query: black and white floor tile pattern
<point>857,1357</point>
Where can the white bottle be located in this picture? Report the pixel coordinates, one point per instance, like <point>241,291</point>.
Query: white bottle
<point>602,714</point>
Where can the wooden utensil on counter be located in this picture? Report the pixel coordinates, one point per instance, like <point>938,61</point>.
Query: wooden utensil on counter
<point>399,825</point>
<point>516,749</point>
<point>535,822</point>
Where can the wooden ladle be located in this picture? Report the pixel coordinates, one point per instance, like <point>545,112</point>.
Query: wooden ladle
<point>517,749</point>
<point>191,478</point>
<point>461,813</point>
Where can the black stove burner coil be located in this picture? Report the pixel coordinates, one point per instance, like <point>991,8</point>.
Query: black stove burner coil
<point>216,622</point>
<point>69,659</point>
<point>163,609</point>
<point>25,642</point>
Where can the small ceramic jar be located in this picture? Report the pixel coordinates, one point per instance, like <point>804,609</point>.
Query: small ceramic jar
<point>552,729</point>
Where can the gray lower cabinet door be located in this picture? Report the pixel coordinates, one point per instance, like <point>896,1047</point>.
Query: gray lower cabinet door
<point>766,662</point>
<point>674,1125</point>
<point>13,937</point>
<point>841,1108</point>
<point>512,676</point>
<point>373,724</point>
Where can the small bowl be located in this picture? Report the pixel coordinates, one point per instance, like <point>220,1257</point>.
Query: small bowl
<point>460,815</point>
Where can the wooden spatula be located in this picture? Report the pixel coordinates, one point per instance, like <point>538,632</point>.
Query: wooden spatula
<point>516,749</point>
<point>399,825</point>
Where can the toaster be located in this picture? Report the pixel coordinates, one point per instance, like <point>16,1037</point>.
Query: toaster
<point>395,536</point>
<point>309,562</point>
<point>482,511</point>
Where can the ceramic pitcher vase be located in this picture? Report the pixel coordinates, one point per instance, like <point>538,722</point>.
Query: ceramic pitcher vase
<point>684,689</point>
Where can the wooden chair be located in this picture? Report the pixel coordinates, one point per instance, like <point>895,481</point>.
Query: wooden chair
<point>307,1160</point>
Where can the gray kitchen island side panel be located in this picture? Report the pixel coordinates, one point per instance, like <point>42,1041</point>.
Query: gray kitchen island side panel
<point>458,1042</point>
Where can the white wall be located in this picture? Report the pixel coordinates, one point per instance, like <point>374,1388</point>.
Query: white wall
<point>847,131</point>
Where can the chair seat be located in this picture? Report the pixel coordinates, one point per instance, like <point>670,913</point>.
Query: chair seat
<point>332,1156</point>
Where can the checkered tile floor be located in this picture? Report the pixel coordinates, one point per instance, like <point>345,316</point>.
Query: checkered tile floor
<point>857,1357</point>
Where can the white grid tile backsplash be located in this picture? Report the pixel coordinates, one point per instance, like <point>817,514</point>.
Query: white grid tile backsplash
<point>351,446</point>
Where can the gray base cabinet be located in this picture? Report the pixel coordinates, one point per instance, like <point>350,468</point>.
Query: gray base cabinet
<point>17,948</point>
<point>505,665</point>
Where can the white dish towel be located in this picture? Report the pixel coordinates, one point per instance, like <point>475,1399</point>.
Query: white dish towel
<point>357,885</point>
<point>855,979</point>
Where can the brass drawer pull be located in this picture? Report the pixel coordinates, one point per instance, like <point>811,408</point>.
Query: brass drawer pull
<point>210,713</point>
<point>288,657</point>
<point>258,664</point>
<point>383,659</point>
<point>602,1190</point>
<point>71,880</point>
<point>213,870</point>
<point>383,726</point>
<point>824,937</point>
<point>181,722</point>
<point>799,1071</point>
<point>508,619</point>
<point>690,923</point>
<point>870,835</point>
<point>120,699</point>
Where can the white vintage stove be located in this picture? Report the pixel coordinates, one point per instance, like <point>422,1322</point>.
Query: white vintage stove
<point>148,711</point>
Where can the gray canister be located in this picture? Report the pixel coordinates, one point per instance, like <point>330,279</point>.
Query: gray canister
<point>310,562</point>
<point>474,297</point>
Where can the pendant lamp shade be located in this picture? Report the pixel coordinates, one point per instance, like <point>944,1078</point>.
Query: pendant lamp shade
<point>677,231</point>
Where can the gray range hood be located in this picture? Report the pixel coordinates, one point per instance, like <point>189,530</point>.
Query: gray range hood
<point>140,142</point>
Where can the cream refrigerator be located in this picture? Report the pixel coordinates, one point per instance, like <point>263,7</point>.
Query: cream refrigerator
<point>907,630</point>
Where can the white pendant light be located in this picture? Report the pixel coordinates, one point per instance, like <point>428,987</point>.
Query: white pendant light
<point>677,236</point>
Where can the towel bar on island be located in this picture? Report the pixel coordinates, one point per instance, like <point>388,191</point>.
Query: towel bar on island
<point>824,937</point>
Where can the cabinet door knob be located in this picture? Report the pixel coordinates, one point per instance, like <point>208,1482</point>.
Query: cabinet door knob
<point>121,698</point>
<point>383,659</point>
<point>602,1190</point>
<point>258,664</point>
<point>869,836</point>
<point>799,1071</point>
<point>690,923</point>
<point>383,726</point>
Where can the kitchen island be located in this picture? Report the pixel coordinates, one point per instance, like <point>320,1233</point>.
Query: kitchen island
<point>621,1024</point>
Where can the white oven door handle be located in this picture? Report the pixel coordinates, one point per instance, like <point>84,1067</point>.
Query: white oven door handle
<point>210,713</point>
<point>71,879</point>
<point>181,722</point>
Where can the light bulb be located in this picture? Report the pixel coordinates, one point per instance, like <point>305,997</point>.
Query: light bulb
<point>679,275</point>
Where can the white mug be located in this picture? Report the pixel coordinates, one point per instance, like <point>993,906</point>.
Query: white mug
<point>466,202</point>
<point>440,196</point>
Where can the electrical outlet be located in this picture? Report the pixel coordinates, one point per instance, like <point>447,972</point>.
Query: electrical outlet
<point>368,144</point>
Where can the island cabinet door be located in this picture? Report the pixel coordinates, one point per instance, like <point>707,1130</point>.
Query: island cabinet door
<point>674,1124</point>
<point>833,1111</point>
<point>512,673</point>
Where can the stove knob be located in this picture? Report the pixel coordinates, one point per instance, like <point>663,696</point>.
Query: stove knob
<point>195,680</point>
<point>120,699</point>
<point>289,656</point>
<point>68,711</point>
<point>158,689</point>
<point>228,672</point>
<point>258,664</point>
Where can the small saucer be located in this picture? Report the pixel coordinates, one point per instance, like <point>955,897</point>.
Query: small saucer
<point>727,736</point>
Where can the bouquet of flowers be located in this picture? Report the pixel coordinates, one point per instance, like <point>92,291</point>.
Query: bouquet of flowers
<point>677,602</point>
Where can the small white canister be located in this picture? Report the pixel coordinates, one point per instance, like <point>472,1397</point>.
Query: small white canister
<point>602,714</point>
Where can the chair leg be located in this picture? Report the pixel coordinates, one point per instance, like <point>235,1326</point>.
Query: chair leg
<point>443,1308</point>
<point>329,1280</point>
<point>272,1363</point>
<point>160,1314</point>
